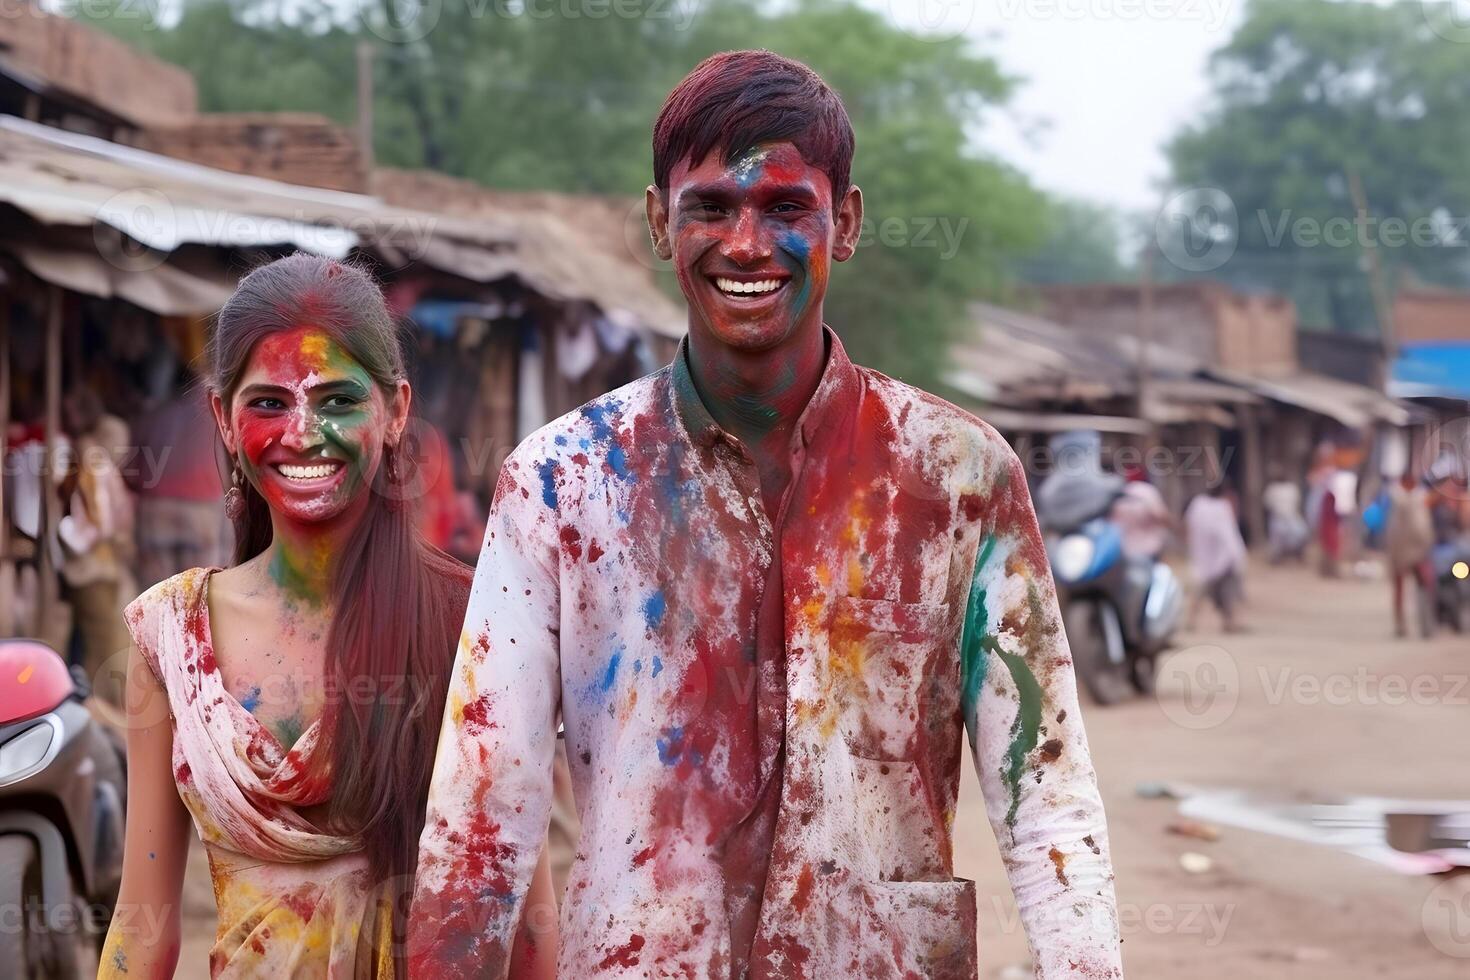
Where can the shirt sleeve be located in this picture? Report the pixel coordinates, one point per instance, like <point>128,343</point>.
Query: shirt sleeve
<point>1029,747</point>
<point>490,795</point>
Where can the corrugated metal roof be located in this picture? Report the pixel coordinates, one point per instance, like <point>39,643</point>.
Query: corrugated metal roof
<point>65,178</point>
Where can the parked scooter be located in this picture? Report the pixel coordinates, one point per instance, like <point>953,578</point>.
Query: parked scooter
<point>62,798</point>
<point>1451,568</point>
<point>1120,612</point>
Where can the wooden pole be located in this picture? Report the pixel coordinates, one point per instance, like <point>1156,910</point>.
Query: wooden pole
<point>1377,285</point>
<point>4,422</point>
<point>365,106</point>
<point>50,585</point>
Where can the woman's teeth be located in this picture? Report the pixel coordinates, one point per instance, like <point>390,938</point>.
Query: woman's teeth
<point>743,288</point>
<point>313,472</point>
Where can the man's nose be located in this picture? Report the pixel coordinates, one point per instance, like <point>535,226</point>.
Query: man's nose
<point>748,243</point>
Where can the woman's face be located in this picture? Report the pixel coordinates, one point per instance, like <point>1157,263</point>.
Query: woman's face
<point>308,425</point>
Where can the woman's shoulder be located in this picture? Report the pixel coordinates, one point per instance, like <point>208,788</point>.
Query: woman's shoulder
<point>165,605</point>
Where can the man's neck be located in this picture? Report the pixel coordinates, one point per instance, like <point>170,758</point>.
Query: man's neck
<point>758,396</point>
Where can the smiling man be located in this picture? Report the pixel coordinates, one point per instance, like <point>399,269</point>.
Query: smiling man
<point>769,593</point>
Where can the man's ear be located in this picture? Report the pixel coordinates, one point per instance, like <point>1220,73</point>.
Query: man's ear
<point>222,422</point>
<point>848,224</point>
<point>658,223</point>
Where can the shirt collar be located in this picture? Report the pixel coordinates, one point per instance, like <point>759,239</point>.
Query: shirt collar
<point>838,386</point>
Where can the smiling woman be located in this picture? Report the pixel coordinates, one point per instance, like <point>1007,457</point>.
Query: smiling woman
<point>305,684</point>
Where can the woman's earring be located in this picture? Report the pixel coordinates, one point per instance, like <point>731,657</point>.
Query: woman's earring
<point>235,497</point>
<point>394,491</point>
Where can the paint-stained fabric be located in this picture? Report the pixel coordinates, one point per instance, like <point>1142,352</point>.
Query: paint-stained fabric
<point>620,585</point>
<point>294,898</point>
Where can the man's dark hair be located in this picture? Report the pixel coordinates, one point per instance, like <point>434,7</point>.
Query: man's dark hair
<point>736,100</point>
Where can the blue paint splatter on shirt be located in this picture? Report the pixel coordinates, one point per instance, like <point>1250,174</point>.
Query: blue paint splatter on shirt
<point>671,746</point>
<point>611,675</point>
<point>598,414</point>
<point>653,609</point>
<point>547,469</point>
<point>658,666</point>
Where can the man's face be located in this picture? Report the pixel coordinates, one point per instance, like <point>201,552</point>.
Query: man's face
<point>752,240</point>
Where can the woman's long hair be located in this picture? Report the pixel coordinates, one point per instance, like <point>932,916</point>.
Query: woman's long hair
<point>397,602</point>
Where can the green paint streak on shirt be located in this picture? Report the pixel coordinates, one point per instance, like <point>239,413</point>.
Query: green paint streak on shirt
<point>1027,726</point>
<point>972,638</point>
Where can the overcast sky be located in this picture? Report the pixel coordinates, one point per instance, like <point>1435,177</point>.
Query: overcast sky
<point>1107,82</point>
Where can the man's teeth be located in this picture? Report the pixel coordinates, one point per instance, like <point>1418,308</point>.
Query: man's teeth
<point>314,472</point>
<point>764,286</point>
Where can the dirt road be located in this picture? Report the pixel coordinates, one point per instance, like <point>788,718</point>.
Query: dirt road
<point>1317,698</point>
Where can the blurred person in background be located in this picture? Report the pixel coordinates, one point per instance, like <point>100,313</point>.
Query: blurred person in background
<point>1216,554</point>
<point>1407,540</point>
<point>1323,514</point>
<point>176,476</point>
<point>96,532</point>
<point>1286,527</point>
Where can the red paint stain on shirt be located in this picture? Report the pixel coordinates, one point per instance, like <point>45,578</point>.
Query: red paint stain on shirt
<point>625,955</point>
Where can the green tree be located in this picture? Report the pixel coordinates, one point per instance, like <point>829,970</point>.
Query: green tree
<point>563,97</point>
<point>1312,100</point>
<point>1082,242</point>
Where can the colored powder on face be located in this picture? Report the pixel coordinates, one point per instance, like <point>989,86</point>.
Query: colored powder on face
<point>547,469</point>
<point>972,650</point>
<point>653,609</point>
<point>747,167</point>
<point>792,242</point>
<point>1025,729</point>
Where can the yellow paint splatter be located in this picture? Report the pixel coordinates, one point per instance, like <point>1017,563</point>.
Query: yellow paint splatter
<point>314,348</point>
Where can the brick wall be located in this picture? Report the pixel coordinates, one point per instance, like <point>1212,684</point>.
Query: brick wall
<point>299,148</point>
<point>92,66</point>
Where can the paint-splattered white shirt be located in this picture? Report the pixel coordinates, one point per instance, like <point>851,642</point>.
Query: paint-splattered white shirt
<point>618,588</point>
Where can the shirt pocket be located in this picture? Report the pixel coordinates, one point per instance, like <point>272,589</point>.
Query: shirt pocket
<point>880,655</point>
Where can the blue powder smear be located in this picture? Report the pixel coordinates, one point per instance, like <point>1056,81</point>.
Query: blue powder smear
<point>547,469</point>
<point>653,611</point>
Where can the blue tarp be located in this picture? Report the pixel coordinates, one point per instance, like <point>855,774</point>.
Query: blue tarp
<point>1437,370</point>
